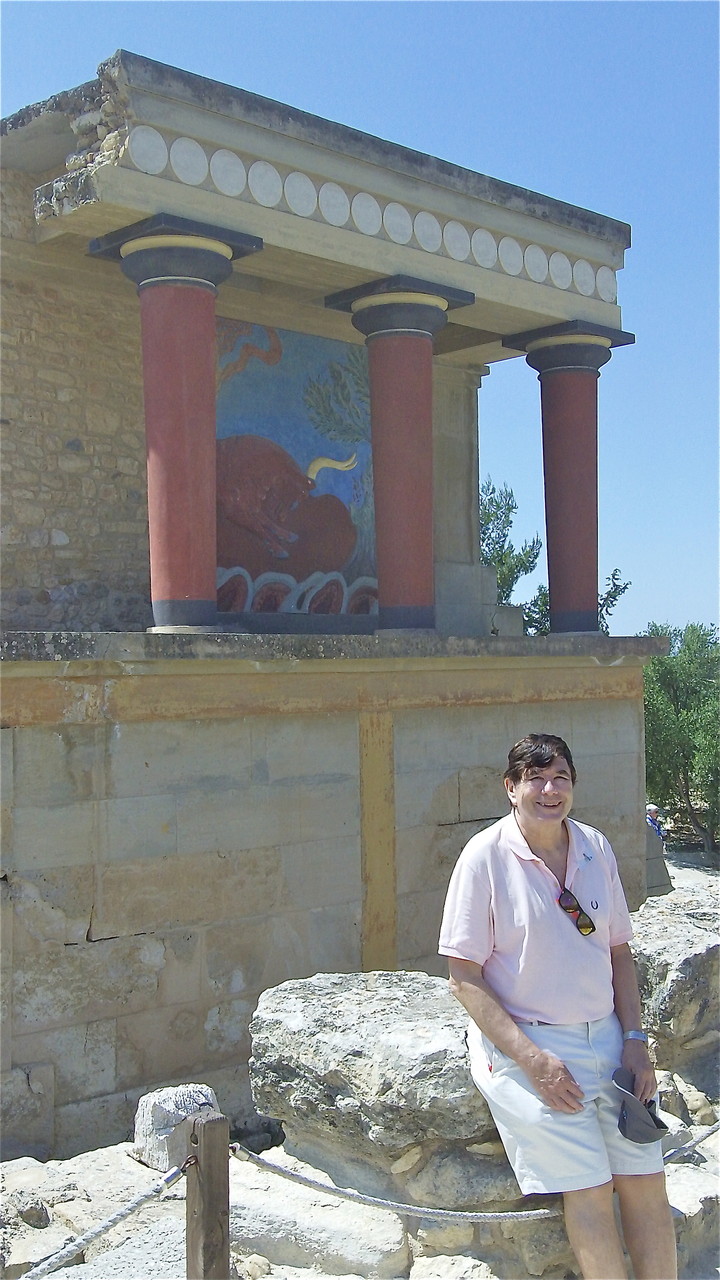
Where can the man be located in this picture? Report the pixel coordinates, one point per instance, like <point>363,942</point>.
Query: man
<point>536,929</point>
<point>652,817</point>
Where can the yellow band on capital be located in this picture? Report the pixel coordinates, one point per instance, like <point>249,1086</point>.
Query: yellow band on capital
<point>175,242</point>
<point>386,299</point>
<point>590,339</point>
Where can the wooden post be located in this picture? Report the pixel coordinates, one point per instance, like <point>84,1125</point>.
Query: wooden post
<point>207,1216</point>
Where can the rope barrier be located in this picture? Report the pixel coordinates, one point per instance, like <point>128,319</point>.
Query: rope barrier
<point>690,1146</point>
<point>80,1243</point>
<point>405,1210</point>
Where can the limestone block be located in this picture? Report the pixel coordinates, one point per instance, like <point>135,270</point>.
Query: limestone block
<point>460,1180</point>
<point>369,1063</point>
<point>426,796</point>
<point>316,749</point>
<point>482,794</point>
<point>541,1247</point>
<point>457,1267</point>
<point>295,1226</point>
<point>143,895</point>
<point>181,977</point>
<point>27,1105</point>
<point>264,951</point>
<point>419,916</point>
<point>461,592</point>
<point>321,872</point>
<point>28,1246</point>
<point>159,1113</point>
<point>226,821</point>
<point>83,1057</point>
<point>227,1029</point>
<point>139,827</point>
<point>161,1044</point>
<point>693,1195</point>
<point>426,855</point>
<point>58,766</point>
<point>173,757</point>
<point>6,969</point>
<point>438,1237</point>
<point>676,950</point>
<point>60,985</point>
<point>94,1123</point>
<point>56,836</point>
<point>54,905</point>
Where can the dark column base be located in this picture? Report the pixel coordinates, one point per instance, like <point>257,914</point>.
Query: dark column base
<point>406,617</point>
<point>185,613</point>
<point>574,620</point>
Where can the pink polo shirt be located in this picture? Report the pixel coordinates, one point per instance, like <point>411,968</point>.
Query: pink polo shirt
<point>502,912</point>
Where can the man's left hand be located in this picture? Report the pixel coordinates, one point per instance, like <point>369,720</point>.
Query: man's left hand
<point>636,1058</point>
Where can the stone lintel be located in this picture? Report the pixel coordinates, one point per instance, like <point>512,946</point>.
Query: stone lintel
<point>343,301</point>
<point>109,246</point>
<point>568,329</point>
<point>586,648</point>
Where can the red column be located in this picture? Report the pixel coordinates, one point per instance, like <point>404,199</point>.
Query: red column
<point>399,331</point>
<point>569,375</point>
<point>177,278</point>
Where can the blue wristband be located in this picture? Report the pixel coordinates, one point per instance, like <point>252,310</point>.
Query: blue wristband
<point>635,1035</point>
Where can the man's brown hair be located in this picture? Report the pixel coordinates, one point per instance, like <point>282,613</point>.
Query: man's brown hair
<point>537,751</point>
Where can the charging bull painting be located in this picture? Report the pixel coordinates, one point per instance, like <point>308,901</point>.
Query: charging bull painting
<point>294,474</point>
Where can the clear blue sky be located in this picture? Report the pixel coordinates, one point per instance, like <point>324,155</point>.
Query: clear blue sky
<point>608,104</point>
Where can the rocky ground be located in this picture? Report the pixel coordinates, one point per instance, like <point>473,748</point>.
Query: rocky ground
<point>286,1232</point>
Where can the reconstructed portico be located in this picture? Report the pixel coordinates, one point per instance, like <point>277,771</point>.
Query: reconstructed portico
<point>198,189</point>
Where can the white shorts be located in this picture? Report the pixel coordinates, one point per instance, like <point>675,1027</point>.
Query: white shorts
<point>554,1151</point>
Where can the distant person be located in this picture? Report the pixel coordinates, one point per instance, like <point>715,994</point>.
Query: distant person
<point>536,929</point>
<point>652,817</point>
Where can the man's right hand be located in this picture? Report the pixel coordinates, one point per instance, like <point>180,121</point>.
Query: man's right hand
<point>553,1081</point>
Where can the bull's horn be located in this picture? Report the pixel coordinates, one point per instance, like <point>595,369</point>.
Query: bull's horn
<point>317,464</point>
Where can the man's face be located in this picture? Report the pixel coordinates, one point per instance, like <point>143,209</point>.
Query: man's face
<point>542,795</point>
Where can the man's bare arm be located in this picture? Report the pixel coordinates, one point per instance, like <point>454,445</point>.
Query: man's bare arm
<point>629,1011</point>
<point>548,1074</point>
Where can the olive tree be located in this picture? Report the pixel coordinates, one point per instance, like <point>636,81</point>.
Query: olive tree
<point>682,734</point>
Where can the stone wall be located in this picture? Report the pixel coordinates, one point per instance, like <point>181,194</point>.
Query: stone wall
<point>190,820</point>
<point>74,521</point>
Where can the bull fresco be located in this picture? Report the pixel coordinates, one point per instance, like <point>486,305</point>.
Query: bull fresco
<point>294,474</point>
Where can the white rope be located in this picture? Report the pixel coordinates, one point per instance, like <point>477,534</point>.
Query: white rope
<point>690,1146</point>
<point>405,1210</point>
<point>80,1243</point>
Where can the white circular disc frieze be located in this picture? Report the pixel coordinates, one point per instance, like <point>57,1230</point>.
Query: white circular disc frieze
<point>148,149</point>
<point>334,204</point>
<point>188,161</point>
<point>397,222</point>
<point>265,183</point>
<point>607,284</point>
<point>484,248</point>
<point>456,240</point>
<point>300,194</point>
<point>366,213</point>
<point>428,232</point>
<point>560,270</point>
<point>584,277</point>
<point>228,172</point>
<point>510,255</point>
<point>536,263</point>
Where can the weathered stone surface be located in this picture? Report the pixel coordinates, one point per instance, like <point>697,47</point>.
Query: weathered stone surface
<point>291,1224</point>
<point>458,1179</point>
<point>28,1102</point>
<point>374,1063</point>
<point>159,1113</point>
<point>676,949</point>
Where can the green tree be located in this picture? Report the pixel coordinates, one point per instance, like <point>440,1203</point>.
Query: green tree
<point>497,511</point>
<point>682,718</point>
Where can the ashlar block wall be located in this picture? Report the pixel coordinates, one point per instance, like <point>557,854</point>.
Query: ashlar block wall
<point>188,821</point>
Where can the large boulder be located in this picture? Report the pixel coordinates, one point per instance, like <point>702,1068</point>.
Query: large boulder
<point>676,950</point>
<point>368,1073</point>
